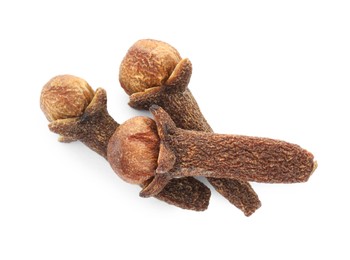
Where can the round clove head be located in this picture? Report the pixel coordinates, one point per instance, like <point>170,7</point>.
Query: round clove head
<point>133,150</point>
<point>147,64</point>
<point>65,96</point>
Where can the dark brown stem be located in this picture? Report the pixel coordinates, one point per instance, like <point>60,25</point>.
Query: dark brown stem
<point>95,128</point>
<point>192,153</point>
<point>177,100</point>
<point>186,193</point>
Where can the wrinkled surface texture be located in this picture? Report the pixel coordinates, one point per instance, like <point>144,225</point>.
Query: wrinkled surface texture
<point>133,150</point>
<point>65,96</point>
<point>193,153</point>
<point>147,63</point>
<point>187,192</point>
<point>241,157</point>
<point>94,128</point>
<point>229,156</point>
<point>184,110</point>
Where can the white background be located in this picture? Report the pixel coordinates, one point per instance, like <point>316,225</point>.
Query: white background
<point>276,69</point>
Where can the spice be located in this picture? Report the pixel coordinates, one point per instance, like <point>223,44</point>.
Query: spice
<point>76,112</point>
<point>153,72</point>
<point>176,153</point>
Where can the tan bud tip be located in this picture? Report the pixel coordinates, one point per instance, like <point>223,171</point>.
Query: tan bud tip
<point>65,96</point>
<point>133,150</point>
<point>147,64</point>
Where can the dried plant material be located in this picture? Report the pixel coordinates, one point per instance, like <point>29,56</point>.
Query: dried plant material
<point>183,153</point>
<point>131,150</point>
<point>65,96</point>
<point>239,193</point>
<point>151,61</point>
<point>187,193</point>
<point>133,153</point>
<point>87,119</point>
<point>192,153</point>
<point>169,90</point>
<point>94,128</point>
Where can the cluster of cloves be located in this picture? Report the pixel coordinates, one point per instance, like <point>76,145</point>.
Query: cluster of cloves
<point>164,154</point>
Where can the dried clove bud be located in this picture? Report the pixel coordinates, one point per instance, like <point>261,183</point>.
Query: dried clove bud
<point>77,113</point>
<point>65,96</point>
<point>153,72</point>
<point>133,152</point>
<point>184,153</point>
<point>152,62</point>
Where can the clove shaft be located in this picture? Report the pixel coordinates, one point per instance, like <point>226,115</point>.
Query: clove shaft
<point>239,157</point>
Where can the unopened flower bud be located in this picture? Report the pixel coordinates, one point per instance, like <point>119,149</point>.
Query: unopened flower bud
<point>147,64</point>
<point>65,96</point>
<point>133,150</point>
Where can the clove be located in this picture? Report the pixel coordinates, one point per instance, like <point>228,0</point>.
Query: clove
<point>152,72</point>
<point>173,152</point>
<point>76,112</point>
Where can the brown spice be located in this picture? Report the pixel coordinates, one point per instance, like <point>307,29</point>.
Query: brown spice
<point>192,153</point>
<point>94,128</point>
<point>65,96</point>
<point>77,113</point>
<point>166,86</point>
<point>131,150</point>
<point>186,193</point>
<point>131,154</point>
<point>151,61</point>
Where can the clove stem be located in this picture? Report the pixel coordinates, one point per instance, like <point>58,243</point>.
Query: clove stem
<point>192,153</point>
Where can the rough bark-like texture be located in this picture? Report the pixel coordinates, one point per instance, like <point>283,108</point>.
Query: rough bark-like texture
<point>95,128</point>
<point>186,193</point>
<point>177,100</point>
<point>239,193</point>
<point>240,157</point>
<point>230,156</point>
